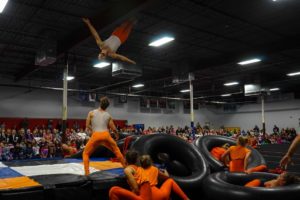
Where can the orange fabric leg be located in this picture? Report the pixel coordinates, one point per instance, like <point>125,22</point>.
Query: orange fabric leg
<point>253,183</point>
<point>111,144</point>
<point>260,168</point>
<point>123,31</point>
<point>165,190</point>
<point>96,139</point>
<point>118,193</point>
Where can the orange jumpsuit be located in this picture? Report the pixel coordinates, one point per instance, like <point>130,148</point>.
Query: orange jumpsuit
<point>217,152</point>
<point>237,156</point>
<point>118,193</point>
<point>162,193</point>
<point>102,138</point>
<point>253,183</point>
<point>123,31</point>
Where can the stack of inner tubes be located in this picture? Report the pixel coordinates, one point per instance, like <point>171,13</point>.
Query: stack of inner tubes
<point>186,165</point>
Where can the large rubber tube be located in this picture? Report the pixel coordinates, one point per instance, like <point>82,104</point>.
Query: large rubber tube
<point>206,143</point>
<point>103,152</point>
<point>189,167</point>
<point>230,186</point>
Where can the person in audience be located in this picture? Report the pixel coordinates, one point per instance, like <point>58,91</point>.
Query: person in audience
<point>287,158</point>
<point>14,137</point>
<point>35,149</point>
<point>137,180</point>
<point>68,150</point>
<point>217,152</point>
<point>29,151</point>
<point>169,185</point>
<point>283,179</point>
<point>97,122</point>
<point>238,156</point>
<point>28,136</point>
<point>44,150</point>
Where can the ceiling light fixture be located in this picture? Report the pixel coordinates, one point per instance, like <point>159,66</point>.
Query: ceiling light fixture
<point>161,41</point>
<point>69,78</point>
<point>293,74</point>
<point>102,64</point>
<point>231,83</point>
<point>225,95</point>
<point>185,91</point>
<point>274,89</point>
<point>247,62</point>
<point>2,5</point>
<point>138,85</point>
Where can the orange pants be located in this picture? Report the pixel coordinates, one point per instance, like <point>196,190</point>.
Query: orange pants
<point>100,138</point>
<point>163,193</point>
<point>118,193</point>
<point>123,31</point>
<point>253,183</point>
<point>260,168</point>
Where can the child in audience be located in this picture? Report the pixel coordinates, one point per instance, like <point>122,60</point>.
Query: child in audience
<point>35,149</point>
<point>44,150</point>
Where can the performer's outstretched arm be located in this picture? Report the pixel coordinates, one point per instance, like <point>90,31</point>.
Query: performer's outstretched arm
<point>122,58</point>
<point>94,32</point>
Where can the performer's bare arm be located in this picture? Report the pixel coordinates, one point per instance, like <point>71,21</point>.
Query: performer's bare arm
<point>112,126</point>
<point>287,159</point>
<point>94,33</point>
<point>130,179</point>
<point>120,57</point>
<point>88,125</point>
<point>246,160</point>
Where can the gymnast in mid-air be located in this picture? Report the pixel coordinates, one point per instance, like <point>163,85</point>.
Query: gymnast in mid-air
<point>110,46</point>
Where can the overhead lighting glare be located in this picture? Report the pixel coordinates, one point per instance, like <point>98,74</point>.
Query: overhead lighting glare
<point>184,91</point>
<point>161,41</point>
<point>274,89</point>
<point>101,64</point>
<point>231,83</point>
<point>2,5</point>
<point>225,95</point>
<point>293,74</point>
<point>247,62</point>
<point>69,78</point>
<point>138,85</point>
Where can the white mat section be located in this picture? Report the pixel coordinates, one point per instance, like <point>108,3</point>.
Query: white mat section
<point>2,165</point>
<point>67,168</point>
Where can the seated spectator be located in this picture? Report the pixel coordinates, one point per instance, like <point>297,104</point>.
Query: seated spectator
<point>35,149</point>
<point>29,151</point>
<point>44,150</point>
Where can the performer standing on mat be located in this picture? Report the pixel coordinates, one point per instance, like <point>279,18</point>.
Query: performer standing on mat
<point>110,46</point>
<point>97,122</point>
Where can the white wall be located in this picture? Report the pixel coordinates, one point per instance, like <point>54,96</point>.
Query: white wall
<point>19,102</point>
<point>283,114</point>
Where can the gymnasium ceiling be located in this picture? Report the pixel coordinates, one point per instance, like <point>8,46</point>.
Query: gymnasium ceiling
<point>211,37</point>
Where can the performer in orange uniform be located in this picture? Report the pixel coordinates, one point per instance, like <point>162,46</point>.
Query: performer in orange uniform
<point>217,152</point>
<point>238,156</point>
<point>137,180</point>
<point>162,193</point>
<point>110,46</point>
<point>282,180</point>
<point>97,122</point>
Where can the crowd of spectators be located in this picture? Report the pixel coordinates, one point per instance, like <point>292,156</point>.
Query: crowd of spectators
<point>256,136</point>
<point>40,142</point>
<point>46,142</point>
